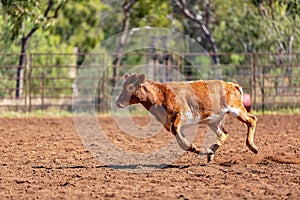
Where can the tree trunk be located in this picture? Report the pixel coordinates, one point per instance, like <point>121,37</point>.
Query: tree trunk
<point>182,5</point>
<point>19,79</point>
<point>25,41</point>
<point>290,60</point>
<point>19,82</point>
<point>126,9</point>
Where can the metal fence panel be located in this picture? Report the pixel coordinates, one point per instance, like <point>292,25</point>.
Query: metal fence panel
<point>272,79</point>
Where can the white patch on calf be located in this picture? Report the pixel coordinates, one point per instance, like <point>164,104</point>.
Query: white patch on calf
<point>216,118</point>
<point>189,119</point>
<point>234,111</point>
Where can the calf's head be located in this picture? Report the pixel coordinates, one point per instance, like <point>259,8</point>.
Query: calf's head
<point>129,95</point>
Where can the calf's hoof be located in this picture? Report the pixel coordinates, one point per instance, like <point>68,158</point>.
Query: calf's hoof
<point>208,152</point>
<point>252,147</point>
<point>210,157</point>
<point>205,151</point>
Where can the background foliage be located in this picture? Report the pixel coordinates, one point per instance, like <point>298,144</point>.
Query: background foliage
<point>250,25</point>
<point>77,26</point>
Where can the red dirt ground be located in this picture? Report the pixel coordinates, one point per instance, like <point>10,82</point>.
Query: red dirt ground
<point>44,158</point>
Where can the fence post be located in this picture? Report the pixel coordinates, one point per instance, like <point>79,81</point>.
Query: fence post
<point>30,82</point>
<point>26,81</point>
<point>253,69</point>
<point>42,88</point>
<point>263,89</point>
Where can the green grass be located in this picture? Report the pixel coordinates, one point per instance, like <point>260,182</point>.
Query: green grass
<point>36,113</point>
<point>283,111</point>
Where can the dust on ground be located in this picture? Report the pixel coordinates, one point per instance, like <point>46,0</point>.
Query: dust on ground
<point>45,158</point>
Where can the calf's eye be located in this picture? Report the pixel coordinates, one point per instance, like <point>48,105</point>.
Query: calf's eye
<point>130,88</point>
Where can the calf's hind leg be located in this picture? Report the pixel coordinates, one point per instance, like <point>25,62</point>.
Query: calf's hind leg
<point>250,121</point>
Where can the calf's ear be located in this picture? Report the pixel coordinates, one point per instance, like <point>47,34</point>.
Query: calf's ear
<point>126,76</point>
<point>142,78</point>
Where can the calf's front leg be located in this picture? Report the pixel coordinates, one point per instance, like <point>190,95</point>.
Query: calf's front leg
<point>182,141</point>
<point>221,137</point>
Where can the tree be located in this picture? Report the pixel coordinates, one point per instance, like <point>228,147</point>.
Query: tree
<point>153,13</point>
<point>282,20</point>
<point>240,32</point>
<point>80,24</point>
<point>139,14</point>
<point>186,11</point>
<point>33,14</point>
<point>126,10</point>
<point>257,25</point>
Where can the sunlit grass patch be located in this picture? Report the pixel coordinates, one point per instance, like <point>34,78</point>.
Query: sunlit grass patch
<point>283,111</point>
<point>36,113</point>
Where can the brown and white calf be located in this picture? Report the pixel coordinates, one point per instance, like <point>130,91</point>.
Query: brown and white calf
<point>180,104</point>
